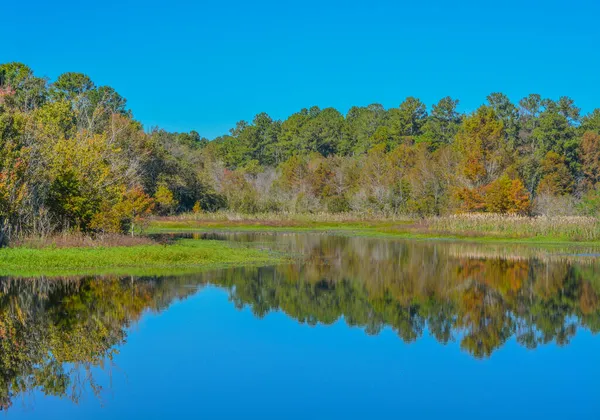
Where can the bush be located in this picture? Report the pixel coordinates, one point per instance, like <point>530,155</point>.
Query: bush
<point>554,205</point>
<point>590,204</point>
<point>337,204</point>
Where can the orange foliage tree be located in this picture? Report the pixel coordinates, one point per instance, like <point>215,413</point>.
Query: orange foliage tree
<point>504,195</point>
<point>507,195</point>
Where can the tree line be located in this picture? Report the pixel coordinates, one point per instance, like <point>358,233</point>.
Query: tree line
<point>73,157</point>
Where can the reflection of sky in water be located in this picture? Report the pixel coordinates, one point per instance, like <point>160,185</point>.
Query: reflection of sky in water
<point>200,357</point>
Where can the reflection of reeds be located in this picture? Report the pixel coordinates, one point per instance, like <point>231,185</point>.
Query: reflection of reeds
<point>581,255</point>
<point>383,249</point>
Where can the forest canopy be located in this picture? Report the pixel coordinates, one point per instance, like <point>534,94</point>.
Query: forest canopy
<point>72,157</point>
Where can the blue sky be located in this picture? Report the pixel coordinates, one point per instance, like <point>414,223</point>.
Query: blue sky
<point>186,65</point>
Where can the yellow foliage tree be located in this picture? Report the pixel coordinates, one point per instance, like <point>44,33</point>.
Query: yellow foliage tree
<point>164,199</point>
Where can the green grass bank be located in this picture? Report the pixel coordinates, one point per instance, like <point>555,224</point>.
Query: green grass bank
<point>180,256</point>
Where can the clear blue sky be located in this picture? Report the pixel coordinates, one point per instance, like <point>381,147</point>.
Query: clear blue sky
<point>187,65</point>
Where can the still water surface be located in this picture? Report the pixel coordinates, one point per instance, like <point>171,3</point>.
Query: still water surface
<point>356,328</point>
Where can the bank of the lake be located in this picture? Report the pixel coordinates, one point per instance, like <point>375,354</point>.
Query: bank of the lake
<point>148,259</point>
<point>560,230</point>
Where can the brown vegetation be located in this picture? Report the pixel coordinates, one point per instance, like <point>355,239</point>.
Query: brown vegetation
<point>80,240</point>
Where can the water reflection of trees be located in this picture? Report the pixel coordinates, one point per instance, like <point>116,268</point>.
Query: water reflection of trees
<point>55,332</point>
<point>481,297</point>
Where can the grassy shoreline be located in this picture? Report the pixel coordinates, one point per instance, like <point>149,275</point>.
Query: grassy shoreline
<point>539,231</point>
<point>180,256</point>
<point>72,255</point>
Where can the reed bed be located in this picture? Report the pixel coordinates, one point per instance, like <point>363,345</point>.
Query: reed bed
<point>573,228</point>
<point>284,217</point>
<point>473,225</point>
<point>79,240</point>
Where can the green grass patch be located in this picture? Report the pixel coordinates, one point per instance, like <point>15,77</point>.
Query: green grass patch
<point>181,256</point>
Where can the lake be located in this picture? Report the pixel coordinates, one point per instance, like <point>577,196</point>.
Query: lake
<point>355,327</point>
